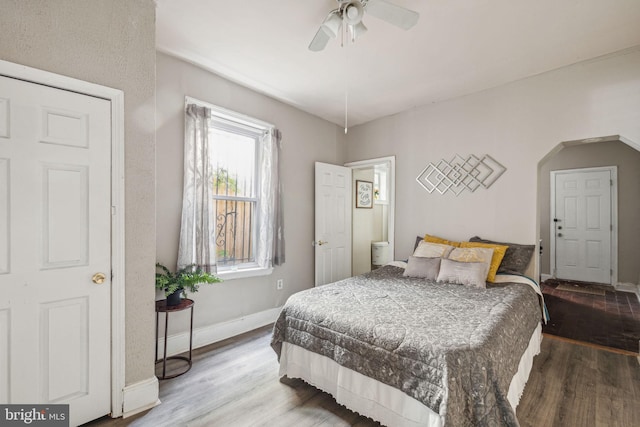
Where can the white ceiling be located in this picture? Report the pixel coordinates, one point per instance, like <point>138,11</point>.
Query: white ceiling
<point>458,47</point>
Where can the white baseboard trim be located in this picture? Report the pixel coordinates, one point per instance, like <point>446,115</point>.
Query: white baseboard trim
<point>544,277</point>
<point>140,396</point>
<point>206,335</point>
<point>629,287</point>
<point>626,287</point>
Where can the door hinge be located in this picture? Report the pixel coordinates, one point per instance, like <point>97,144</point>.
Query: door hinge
<point>611,272</point>
<point>611,227</point>
<point>611,182</point>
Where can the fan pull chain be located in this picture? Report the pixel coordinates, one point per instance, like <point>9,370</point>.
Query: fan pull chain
<point>346,106</point>
<point>345,36</point>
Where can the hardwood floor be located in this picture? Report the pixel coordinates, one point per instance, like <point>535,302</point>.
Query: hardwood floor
<point>611,319</point>
<point>578,385</point>
<point>234,383</point>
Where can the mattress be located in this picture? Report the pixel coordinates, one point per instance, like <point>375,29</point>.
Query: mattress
<point>376,400</point>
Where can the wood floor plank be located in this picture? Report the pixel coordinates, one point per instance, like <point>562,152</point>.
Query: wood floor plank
<point>617,404</point>
<point>235,384</point>
<point>538,406</point>
<point>632,402</point>
<point>577,402</point>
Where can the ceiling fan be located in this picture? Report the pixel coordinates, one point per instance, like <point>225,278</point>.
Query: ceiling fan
<point>351,12</point>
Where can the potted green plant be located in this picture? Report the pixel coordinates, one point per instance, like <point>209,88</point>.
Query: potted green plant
<point>177,284</point>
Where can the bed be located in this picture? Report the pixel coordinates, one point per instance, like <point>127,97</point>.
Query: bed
<point>412,351</point>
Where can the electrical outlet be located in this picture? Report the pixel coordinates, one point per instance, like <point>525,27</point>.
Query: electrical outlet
<point>279,284</point>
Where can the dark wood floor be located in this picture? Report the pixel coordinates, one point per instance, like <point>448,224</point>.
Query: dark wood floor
<point>611,319</point>
<point>235,384</point>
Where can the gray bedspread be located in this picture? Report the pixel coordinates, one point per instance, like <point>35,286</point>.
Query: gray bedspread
<point>454,348</point>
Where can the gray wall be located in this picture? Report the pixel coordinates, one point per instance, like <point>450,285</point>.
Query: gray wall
<point>111,43</point>
<point>306,139</point>
<point>517,124</point>
<point>614,153</point>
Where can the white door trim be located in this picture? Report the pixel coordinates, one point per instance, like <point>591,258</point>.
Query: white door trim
<point>613,170</point>
<point>392,193</point>
<point>116,97</point>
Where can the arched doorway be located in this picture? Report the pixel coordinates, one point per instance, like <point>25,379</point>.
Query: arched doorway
<point>593,153</point>
<point>597,314</point>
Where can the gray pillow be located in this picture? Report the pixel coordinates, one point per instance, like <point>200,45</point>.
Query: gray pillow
<point>516,259</point>
<point>424,268</point>
<point>463,273</point>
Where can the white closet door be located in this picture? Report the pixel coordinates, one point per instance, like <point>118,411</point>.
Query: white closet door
<point>55,220</point>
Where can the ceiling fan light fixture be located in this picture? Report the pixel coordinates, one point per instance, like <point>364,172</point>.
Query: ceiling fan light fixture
<point>357,30</point>
<point>333,23</point>
<point>352,12</point>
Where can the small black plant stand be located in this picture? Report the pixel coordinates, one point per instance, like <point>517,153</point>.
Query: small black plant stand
<point>162,307</point>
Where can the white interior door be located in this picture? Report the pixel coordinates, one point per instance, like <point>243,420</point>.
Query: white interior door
<point>581,225</point>
<point>55,219</point>
<point>332,223</point>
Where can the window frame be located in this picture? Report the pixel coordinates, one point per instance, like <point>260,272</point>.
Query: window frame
<point>238,123</point>
<point>380,175</point>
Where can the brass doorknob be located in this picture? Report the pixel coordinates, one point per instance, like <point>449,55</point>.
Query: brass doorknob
<point>98,278</point>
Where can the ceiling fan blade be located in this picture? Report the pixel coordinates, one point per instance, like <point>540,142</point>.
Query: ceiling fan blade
<point>391,13</point>
<point>320,40</point>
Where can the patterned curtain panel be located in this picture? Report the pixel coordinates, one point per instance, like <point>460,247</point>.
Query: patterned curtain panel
<point>271,226</point>
<point>197,232</point>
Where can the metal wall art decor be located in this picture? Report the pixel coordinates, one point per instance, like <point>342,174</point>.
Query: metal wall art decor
<point>460,174</point>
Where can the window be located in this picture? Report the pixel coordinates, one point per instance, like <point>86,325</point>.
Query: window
<point>232,206</point>
<point>235,152</point>
<point>380,185</point>
<point>235,186</point>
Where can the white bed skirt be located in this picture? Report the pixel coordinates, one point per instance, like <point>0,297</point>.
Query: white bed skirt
<point>379,401</point>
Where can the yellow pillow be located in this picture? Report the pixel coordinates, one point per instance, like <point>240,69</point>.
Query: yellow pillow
<point>435,239</point>
<point>496,259</point>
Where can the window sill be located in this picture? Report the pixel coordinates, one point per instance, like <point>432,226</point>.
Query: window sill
<point>243,273</point>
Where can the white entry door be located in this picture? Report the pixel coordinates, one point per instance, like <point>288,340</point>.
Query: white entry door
<point>55,219</point>
<point>582,225</point>
<point>332,223</point>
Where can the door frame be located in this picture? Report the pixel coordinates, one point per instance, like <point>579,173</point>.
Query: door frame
<point>362,164</point>
<point>613,170</point>
<point>116,97</point>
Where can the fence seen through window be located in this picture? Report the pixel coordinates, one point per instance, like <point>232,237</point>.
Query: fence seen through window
<point>235,196</point>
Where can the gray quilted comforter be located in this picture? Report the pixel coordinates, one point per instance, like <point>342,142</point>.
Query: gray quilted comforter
<point>454,348</point>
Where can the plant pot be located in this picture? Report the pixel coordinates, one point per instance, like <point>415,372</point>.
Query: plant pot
<point>174,298</point>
